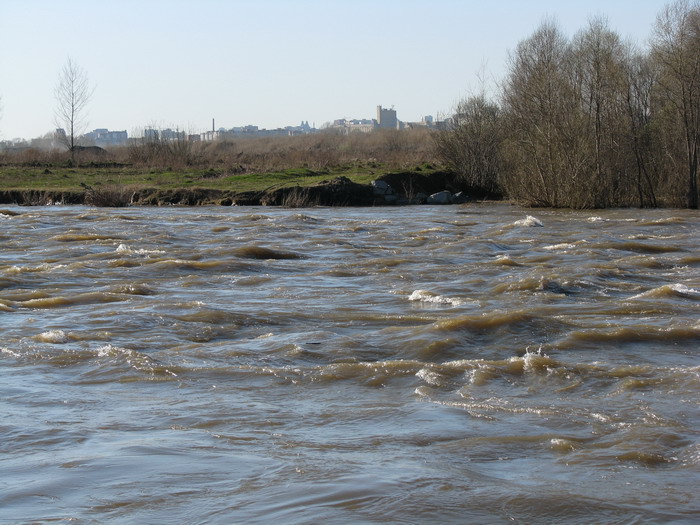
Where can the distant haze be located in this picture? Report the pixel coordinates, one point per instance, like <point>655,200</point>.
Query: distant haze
<point>272,63</point>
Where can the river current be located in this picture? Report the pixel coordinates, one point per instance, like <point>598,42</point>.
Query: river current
<point>460,364</point>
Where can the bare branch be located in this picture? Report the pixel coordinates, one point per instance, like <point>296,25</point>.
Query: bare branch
<point>72,92</point>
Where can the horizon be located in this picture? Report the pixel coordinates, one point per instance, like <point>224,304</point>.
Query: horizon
<point>178,64</point>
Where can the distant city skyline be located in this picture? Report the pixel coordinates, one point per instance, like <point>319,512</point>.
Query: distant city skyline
<point>385,118</point>
<point>271,63</point>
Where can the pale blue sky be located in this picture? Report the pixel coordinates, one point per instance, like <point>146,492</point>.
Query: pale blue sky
<point>272,63</point>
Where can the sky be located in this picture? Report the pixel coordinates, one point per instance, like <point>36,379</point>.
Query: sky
<point>271,63</point>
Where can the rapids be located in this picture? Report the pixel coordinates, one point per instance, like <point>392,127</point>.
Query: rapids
<point>460,364</point>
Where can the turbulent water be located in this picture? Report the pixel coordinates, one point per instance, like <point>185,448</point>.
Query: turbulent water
<point>460,364</point>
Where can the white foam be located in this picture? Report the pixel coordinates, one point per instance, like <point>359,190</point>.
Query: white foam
<point>9,352</point>
<point>684,290</point>
<point>43,267</point>
<point>529,222</point>
<point>677,289</point>
<point>559,247</point>
<point>429,376</point>
<point>123,248</point>
<point>53,336</point>
<point>429,297</point>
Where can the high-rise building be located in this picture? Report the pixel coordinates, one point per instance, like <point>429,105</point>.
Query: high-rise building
<point>386,118</point>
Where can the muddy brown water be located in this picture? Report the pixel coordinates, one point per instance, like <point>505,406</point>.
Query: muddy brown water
<point>462,364</point>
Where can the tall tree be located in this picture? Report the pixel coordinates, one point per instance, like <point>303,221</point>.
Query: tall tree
<point>676,49</point>
<point>72,93</point>
<point>471,144</point>
<point>546,146</point>
<point>598,76</point>
<point>642,139</point>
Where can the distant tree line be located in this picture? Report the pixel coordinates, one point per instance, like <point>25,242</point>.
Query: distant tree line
<point>590,121</point>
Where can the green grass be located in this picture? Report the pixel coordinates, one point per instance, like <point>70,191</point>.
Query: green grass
<point>74,179</point>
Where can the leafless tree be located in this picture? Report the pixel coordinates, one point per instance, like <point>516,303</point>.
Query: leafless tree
<point>546,145</point>
<point>676,49</point>
<point>470,144</point>
<point>73,92</point>
<point>598,55</point>
<point>642,139</point>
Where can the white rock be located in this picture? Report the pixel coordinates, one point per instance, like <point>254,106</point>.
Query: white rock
<point>441,197</point>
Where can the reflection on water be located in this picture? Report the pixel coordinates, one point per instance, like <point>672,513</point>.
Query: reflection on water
<point>479,363</point>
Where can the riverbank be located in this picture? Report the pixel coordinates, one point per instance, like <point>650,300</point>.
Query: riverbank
<point>114,185</point>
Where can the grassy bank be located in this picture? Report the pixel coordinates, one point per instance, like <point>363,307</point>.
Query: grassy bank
<point>239,165</point>
<point>75,179</point>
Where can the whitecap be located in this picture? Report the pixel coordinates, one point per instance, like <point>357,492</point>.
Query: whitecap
<point>53,336</point>
<point>669,290</point>
<point>562,445</point>
<point>43,267</point>
<point>430,377</point>
<point>7,351</point>
<point>685,290</point>
<point>559,247</point>
<point>430,297</point>
<point>529,222</point>
<point>126,249</point>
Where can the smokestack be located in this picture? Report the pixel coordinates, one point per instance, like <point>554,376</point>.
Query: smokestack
<point>212,126</point>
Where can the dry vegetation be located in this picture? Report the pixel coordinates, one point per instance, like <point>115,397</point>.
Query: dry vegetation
<point>391,149</point>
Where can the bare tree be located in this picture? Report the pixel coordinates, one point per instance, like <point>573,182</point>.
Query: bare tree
<point>643,141</point>
<point>470,144</point>
<point>676,48</point>
<point>72,93</point>
<point>598,56</point>
<point>546,145</point>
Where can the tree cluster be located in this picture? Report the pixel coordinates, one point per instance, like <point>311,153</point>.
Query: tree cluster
<point>589,121</point>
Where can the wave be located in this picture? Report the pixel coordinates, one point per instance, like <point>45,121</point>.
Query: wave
<point>425,296</point>
<point>81,237</point>
<point>669,291</point>
<point>533,284</point>
<point>104,364</point>
<point>253,280</point>
<point>529,222</point>
<point>78,299</point>
<point>125,249</point>
<point>259,252</point>
<point>132,289</point>
<point>639,247</point>
<point>555,374</point>
<point>563,246</point>
<point>665,220</point>
<point>41,268</point>
<point>485,321</point>
<point>52,336</point>
<point>631,334</point>
<point>504,260</point>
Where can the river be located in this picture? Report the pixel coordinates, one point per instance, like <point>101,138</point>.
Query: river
<point>461,364</point>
